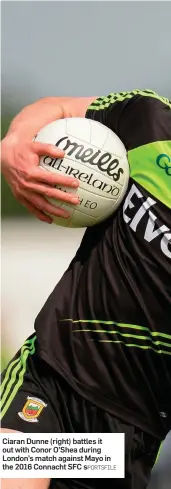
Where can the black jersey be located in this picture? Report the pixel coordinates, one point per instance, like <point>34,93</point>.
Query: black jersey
<point>106,327</point>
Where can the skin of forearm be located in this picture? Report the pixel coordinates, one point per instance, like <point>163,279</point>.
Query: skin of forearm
<point>35,116</point>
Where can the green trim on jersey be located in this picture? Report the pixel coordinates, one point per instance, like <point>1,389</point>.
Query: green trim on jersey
<point>158,453</point>
<point>14,376</point>
<point>152,340</point>
<point>104,102</point>
<point>150,166</point>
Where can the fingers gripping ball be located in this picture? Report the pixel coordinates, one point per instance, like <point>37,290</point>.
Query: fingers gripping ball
<point>94,155</point>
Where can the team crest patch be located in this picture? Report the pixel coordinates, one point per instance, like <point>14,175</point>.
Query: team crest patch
<point>32,409</point>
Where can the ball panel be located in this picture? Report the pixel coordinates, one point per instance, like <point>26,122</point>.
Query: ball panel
<point>74,129</point>
<point>77,220</point>
<point>114,145</point>
<point>99,134</point>
<point>81,220</point>
<point>50,133</point>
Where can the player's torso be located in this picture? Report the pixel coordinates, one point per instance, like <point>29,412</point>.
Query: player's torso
<point>107,324</point>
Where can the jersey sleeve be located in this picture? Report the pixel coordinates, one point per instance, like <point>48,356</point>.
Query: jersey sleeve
<point>138,117</point>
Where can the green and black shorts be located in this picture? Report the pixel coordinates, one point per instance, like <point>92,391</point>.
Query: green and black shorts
<point>35,399</point>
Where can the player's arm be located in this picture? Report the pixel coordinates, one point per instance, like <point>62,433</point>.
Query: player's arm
<point>23,483</point>
<point>20,156</point>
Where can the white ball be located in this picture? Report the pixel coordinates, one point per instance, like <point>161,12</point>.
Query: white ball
<point>97,157</point>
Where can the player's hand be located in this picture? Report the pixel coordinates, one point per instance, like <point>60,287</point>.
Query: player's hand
<point>30,183</point>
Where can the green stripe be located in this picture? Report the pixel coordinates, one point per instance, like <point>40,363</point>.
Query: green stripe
<point>142,347</point>
<point>158,453</point>
<point>150,337</point>
<point>11,365</point>
<point>20,367</point>
<point>104,102</point>
<point>121,325</point>
<point>8,383</point>
<point>150,166</point>
<point>126,335</point>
